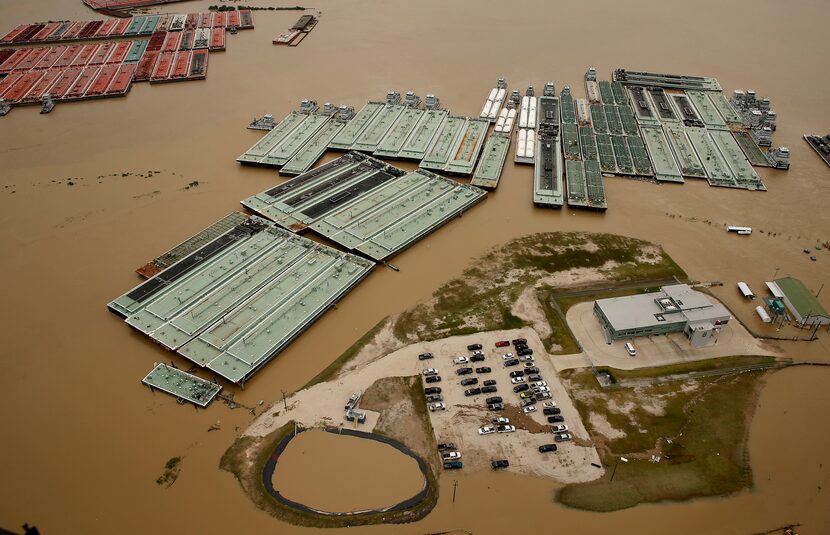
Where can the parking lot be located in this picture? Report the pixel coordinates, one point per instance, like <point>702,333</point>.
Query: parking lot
<point>464,415</point>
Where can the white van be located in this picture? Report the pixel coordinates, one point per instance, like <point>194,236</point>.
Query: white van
<point>630,348</point>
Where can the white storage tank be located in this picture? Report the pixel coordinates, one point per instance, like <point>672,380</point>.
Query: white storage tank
<point>531,113</point>
<point>520,146</point>
<point>763,314</point>
<point>530,144</point>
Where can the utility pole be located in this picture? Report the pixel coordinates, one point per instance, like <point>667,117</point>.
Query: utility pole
<point>454,486</point>
<point>820,289</point>
<point>615,470</point>
<point>285,403</point>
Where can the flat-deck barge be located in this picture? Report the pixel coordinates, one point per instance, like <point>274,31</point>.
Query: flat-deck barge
<point>820,144</point>
<point>365,205</point>
<point>236,302</point>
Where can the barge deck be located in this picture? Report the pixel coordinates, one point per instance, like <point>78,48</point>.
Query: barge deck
<point>364,204</point>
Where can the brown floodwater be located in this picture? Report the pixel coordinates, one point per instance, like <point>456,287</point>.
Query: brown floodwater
<point>83,441</point>
<point>340,473</point>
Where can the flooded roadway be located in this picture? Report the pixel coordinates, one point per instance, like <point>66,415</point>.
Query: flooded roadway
<point>84,441</point>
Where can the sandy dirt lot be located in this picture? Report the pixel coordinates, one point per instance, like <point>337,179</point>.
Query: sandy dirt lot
<point>660,350</point>
<point>323,404</point>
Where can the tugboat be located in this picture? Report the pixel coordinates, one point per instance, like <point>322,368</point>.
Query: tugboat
<point>266,122</point>
<point>48,103</point>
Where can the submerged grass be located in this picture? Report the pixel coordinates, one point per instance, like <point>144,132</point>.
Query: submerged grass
<point>699,430</point>
<point>337,364</point>
<point>481,299</point>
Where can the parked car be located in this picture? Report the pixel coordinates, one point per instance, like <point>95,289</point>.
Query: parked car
<point>517,380</point>
<point>517,373</point>
<point>550,411</point>
<point>433,379</point>
<point>561,428</point>
<point>547,447</point>
<point>556,419</point>
<point>550,404</point>
<point>437,407</point>
<point>540,389</point>
<point>563,437</point>
<point>529,409</point>
<point>531,369</point>
<point>453,465</point>
<point>538,383</point>
<point>451,456</point>
<point>489,389</point>
<point>494,399</point>
<point>629,347</point>
<point>507,356</point>
<point>425,356</point>
<point>501,420</point>
<point>432,390</point>
<point>472,392</point>
<point>470,381</point>
<point>434,397</point>
<point>527,358</point>
<point>529,365</point>
<point>483,369</point>
<point>476,358</point>
<point>502,343</point>
<point>446,446</point>
<point>505,428</point>
<point>460,360</point>
<point>521,345</point>
<point>489,382</point>
<point>463,371</point>
<point>543,395</point>
<point>473,347</point>
<point>519,341</point>
<point>495,406</point>
<point>511,362</point>
<point>526,395</point>
<point>534,377</point>
<point>520,388</point>
<point>524,352</point>
<point>502,463</point>
<point>430,371</point>
<point>486,430</point>
<point>528,402</point>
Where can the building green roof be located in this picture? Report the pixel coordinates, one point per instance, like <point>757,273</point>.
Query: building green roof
<point>800,297</point>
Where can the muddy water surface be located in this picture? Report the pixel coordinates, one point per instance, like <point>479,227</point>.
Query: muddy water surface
<point>339,473</point>
<point>83,442</point>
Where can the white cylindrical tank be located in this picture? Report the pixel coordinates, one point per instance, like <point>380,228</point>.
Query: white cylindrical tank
<point>485,111</point>
<point>530,144</point>
<point>500,95</point>
<point>493,93</point>
<point>520,145</point>
<point>531,113</point>
<point>500,123</point>
<point>762,314</point>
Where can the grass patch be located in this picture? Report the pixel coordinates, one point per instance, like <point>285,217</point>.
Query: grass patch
<point>337,364</point>
<point>698,428</point>
<point>481,299</point>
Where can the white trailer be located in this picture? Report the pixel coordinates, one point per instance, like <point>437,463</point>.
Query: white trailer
<point>745,291</point>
